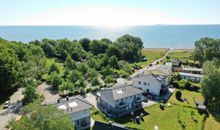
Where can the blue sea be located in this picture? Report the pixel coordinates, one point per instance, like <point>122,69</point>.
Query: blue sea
<point>155,36</point>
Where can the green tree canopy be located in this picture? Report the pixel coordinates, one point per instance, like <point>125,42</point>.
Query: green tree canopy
<point>85,43</point>
<point>54,68</point>
<point>9,66</point>
<point>39,117</point>
<point>207,49</point>
<point>211,85</point>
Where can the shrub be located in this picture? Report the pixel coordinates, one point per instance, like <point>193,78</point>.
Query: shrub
<point>178,95</point>
<point>88,90</point>
<point>95,81</point>
<point>188,85</point>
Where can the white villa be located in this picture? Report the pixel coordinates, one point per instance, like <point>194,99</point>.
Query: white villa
<point>77,108</point>
<point>119,100</point>
<point>151,83</point>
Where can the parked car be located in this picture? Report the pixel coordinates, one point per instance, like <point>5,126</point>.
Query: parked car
<point>6,104</point>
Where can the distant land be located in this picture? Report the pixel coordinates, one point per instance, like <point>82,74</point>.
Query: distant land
<point>154,36</point>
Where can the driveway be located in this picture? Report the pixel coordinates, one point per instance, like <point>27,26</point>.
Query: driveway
<point>145,69</point>
<point>8,114</point>
<point>47,92</point>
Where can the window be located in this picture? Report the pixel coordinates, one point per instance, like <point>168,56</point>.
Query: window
<point>77,123</point>
<point>139,82</point>
<point>145,83</point>
<point>148,84</point>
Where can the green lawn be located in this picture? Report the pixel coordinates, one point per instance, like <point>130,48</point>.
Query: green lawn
<point>50,61</point>
<point>180,115</point>
<point>180,54</point>
<point>211,124</point>
<point>191,96</point>
<point>151,54</point>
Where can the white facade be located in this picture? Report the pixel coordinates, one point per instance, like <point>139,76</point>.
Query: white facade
<point>148,83</point>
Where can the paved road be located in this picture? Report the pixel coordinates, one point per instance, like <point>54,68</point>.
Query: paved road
<point>153,63</point>
<point>47,92</point>
<point>12,112</point>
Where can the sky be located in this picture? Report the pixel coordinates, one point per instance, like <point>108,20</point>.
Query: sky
<point>109,12</point>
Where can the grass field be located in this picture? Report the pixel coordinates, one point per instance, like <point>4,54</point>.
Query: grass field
<point>151,54</point>
<point>181,54</point>
<point>180,116</point>
<point>50,61</point>
<point>211,124</point>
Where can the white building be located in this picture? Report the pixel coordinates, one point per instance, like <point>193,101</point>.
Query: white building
<point>77,108</point>
<point>151,83</point>
<point>191,77</point>
<point>119,100</point>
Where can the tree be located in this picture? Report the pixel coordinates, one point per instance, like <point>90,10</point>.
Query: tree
<point>30,93</point>
<point>85,43</point>
<point>54,68</point>
<point>74,76</point>
<point>92,73</point>
<point>9,67</point>
<point>113,51</point>
<point>178,95</point>
<point>70,63</point>
<point>130,47</point>
<point>39,117</point>
<point>95,81</point>
<point>49,49</point>
<point>109,79</point>
<point>207,49</point>
<point>211,85</point>
<point>113,62</point>
<point>55,80</point>
<point>106,40</point>
<point>98,47</point>
<point>39,60</point>
<point>83,68</point>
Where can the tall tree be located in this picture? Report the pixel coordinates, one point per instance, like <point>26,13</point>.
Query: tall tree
<point>54,68</point>
<point>207,49</point>
<point>9,67</point>
<point>211,84</point>
<point>113,62</point>
<point>85,43</point>
<point>39,117</point>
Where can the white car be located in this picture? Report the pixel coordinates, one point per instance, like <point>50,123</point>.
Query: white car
<point>6,104</point>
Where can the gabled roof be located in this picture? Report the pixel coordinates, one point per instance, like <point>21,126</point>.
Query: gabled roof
<point>120,91</point>
<point>72,105</point>
<point>160,70</point>
<point>150,77</point>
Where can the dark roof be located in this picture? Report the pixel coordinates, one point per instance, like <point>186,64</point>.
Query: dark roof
<point>121,91</point>
<point>104,126</point>
<point>72,105</point>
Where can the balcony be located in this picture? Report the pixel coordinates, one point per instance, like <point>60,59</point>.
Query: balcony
<point>121,105</point>
<point>138,99</point>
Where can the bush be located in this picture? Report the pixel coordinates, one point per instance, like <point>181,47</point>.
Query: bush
<point>95,81</point>
<point>88,90</point>
<point>109,79</point>
<point>188,85</point>
<point>178,95</point>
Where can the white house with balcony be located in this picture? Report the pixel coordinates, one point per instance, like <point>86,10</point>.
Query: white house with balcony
<point>119,100</point>
<point>77,108</point>
<point>150,83</point>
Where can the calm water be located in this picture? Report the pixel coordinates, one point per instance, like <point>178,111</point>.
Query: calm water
<point>172,36</point>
